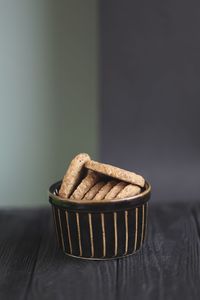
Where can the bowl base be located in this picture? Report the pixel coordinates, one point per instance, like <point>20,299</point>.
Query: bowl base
<point>99,258</point>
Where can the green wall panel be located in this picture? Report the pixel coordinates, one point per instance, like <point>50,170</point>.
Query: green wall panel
<point>48,93</point>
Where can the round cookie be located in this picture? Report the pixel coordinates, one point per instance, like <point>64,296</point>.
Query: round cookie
<point>104,190</point>
<point>72,175</point>
<point>129,191</point>
<point>115,172</point>
<point>86,184</point>
<point>94,190</point>
<point>115,190</point>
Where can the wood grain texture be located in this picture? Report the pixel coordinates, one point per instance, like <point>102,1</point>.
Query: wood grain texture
<point>167,267</point>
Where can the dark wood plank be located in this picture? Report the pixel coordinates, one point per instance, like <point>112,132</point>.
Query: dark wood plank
<point>20,238</point>
<point>168,267</point>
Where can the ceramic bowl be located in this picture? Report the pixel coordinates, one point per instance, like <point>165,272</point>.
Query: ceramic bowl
<point>100,230</point>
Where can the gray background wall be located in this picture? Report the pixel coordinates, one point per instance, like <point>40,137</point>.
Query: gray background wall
<point>48,93</point>
<point>150,91</point>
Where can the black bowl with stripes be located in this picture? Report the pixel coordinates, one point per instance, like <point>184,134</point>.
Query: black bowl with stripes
<point>100,230</point>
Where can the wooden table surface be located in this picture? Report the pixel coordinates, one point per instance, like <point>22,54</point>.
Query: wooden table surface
<point>168,266</point>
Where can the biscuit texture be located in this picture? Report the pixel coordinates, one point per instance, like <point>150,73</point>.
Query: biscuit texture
<point>72,175</point>
<point>115,172</point>
<point>104,190</point>
<point>86,184</point>
<point>115,190</point>
<point>94,190</point>
<point>129,191</point>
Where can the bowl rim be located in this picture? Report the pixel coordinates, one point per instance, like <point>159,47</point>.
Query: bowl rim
<point>63,200</point>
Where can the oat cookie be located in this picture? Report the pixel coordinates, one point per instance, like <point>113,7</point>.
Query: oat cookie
<point>94,190</point>
<point>115,172</point>
<point>104,190</point>
<point>86,184</point>
<point>115,190</point>
<point>72,175</point>
<point>129,191</point>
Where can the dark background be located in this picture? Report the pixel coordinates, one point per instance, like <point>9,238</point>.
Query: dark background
<point>149,85</point>
<point>150,92</point>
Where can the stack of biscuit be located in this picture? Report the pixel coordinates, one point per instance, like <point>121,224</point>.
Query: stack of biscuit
<point>86,179</point>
